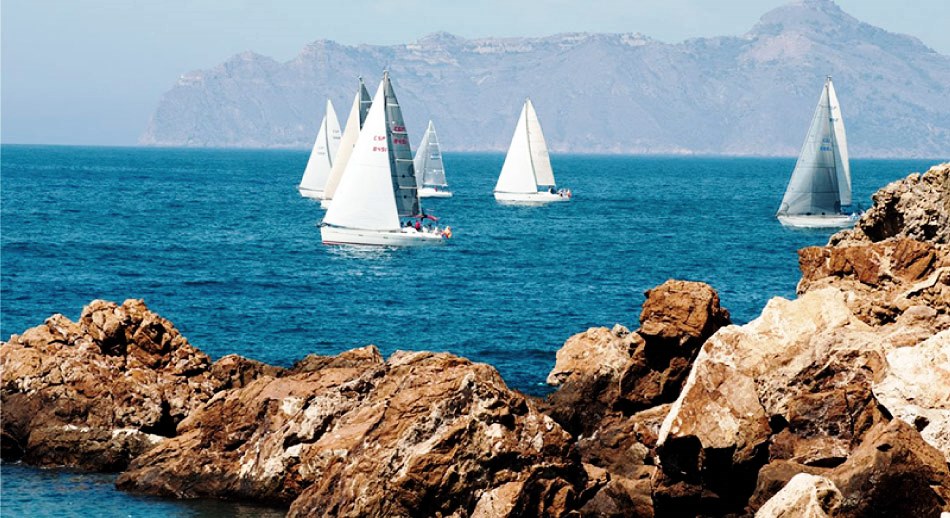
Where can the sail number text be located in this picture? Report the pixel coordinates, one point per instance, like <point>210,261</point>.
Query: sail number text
<point>379,148</point>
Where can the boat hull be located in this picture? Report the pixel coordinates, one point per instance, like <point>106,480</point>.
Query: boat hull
<point>528,198</point>
<point>830,221</point>
<point>402,238</point>
<point>325,203</point>
<point>310,193</point>
<point>429,192</point>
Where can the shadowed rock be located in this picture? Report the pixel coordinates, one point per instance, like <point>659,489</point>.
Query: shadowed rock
<point>894,473</point>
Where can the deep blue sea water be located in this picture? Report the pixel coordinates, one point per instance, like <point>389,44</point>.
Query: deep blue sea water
<point>220,243</point>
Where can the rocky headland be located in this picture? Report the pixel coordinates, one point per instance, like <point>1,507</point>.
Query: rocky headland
<point>836,403</point>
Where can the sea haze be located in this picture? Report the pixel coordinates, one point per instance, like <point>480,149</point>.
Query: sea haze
<point>621,93</point>
<point>220,243</point>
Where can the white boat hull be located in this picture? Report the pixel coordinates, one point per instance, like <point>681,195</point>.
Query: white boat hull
<point>429,192</point>
<point>535,198</point>
<point>815,221</point>
<point>325,203</point>
<point>402,237</point>
<point>310,193</point>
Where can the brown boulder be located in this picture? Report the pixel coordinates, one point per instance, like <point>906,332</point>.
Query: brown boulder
<point>682,312</point>
<point>419,434</point>
<point>588,368</point>
<point>233,371</point>
<point>95,393</point>
<point>894,472</point>
<point>805,496</point>
<point>793,383</point>
<point>885,278</point>
<point>603,371</point>
<point>916,388</point>
<point>917,207</point>
<point>774,476</point>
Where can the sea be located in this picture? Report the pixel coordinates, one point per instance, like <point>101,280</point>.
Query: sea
<point>221,244</point>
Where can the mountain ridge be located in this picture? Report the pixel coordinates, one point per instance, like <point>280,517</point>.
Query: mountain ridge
<point>752,94</point>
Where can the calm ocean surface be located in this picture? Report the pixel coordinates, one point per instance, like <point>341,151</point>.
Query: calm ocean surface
<point>220,243</point>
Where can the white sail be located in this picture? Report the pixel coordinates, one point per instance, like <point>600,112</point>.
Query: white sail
<point>323,154</point>
<point>540,159</point>
<point>361,105</point>
<point>365,196</point>
<point>813,188</point>
<point>517,173</point>
<point>403,170</point>
<point>842,163</point>
<point>428,161</point>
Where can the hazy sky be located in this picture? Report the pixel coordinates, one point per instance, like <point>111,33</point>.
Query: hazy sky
<point>91,72</point>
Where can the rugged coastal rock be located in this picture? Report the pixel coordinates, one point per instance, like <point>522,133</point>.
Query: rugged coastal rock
<point>352,435</point>
<point>896,258</point>
<point>802,388</point>
<point>605,370</point>
<point>615,387</point>
<point>98,392</point>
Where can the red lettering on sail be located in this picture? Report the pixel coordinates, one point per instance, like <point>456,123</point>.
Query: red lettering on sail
<point>400,141</point>
<point>399,128</point>
<point>379,137</point>
<point>381,149</point>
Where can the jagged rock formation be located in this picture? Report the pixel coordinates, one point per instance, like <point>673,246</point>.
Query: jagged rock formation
<point>805,385</point>
<point>752,94</point>
<point>848,382</point>
<point>615,387</point>
<point>100,391</point>
<point>418,435</point>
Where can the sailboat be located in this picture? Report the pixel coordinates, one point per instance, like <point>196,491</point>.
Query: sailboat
<point>354,123</point>
<point>526,176</point>
<point>379,185</point>
<point>430,173</point>
<point>821,181</point>
<point>322,156</point>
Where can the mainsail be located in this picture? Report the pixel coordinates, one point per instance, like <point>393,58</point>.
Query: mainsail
<point>842,164</point>
<point>540,158</point>
<point>821,181</point>
<point>364,198</point>
<point>358,113</point>
<point>403,171</point>
<point>527,163</point>
<point>324,152</point>
<point>428,161</point>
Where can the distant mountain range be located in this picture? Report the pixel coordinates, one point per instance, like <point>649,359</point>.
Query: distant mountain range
<point>599,93</point>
